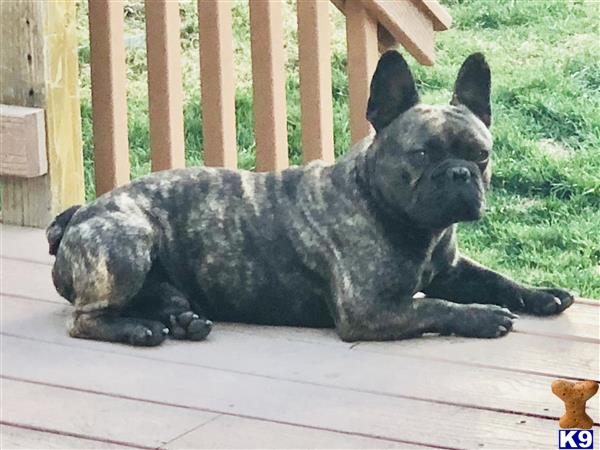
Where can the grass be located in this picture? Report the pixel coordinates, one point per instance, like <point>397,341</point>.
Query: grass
<point>543,220</point>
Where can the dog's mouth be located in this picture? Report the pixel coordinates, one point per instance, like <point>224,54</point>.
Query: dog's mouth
<point>467,206</point>
<point>442,206</point>
<point>466,201</point>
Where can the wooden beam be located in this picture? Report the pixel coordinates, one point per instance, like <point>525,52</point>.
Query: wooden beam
<point>441,18</point>
<point>339,4</point>
<point>39,69</point>
<point>407,24</point>
<point>268,75</point>
<point>361,38</point>
<point>22,142</point>
<point>111,146</point>
<point>386,40</point>
<point>165,90</point>
<point>217,83</point>
<point>315,80</point>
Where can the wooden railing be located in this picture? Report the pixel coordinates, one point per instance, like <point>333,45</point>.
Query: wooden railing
<point>45,30</point>
<point>410,22</point>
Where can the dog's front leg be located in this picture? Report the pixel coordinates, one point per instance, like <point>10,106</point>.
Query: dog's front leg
<point>361,314</point>
<point>468,282</point>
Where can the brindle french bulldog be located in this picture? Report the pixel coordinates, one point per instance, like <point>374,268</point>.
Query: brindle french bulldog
<point>344,246</point>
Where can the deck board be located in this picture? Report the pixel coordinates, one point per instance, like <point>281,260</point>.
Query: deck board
<point>17,437</point>
<point>24,242</point>
<point>274,387</point>
<point>312,406</point>
<point>579,322</point>
<point>516,352</point>
<point>236,432</point>
<point>339,365</point>
<point>27,279</point>
<point>92,415</point>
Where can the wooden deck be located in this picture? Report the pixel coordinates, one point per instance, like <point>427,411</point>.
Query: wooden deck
<point>270,387</point>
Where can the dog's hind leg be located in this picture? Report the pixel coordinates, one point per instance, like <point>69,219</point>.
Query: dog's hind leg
<point>103,326</point>
<point>105,261</point>
<point>160,300</point>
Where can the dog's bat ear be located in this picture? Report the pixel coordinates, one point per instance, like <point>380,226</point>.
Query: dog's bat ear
<point>472,87</point>
<point>393,90</point>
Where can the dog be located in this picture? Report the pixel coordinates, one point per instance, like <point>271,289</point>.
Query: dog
<point>346,245</point>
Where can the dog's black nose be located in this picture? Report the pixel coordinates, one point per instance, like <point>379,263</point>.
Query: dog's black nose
<point>458,173</point>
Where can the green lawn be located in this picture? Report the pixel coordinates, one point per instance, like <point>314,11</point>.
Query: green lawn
<point>543,220</point>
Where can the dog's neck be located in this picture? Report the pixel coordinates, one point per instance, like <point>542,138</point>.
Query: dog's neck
<point>393,220</point>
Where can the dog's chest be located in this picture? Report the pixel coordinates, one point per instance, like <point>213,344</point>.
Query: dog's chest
<point>403,269</point>
<point>372,261</point>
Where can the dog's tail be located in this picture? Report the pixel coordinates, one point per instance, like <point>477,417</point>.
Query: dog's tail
<point>56,229</point>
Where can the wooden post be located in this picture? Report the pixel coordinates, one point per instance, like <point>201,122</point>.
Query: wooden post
<point>268,75</point>
<point>361,38</point>
<point>315,80</point>
<point>39,69</point>
<point>165,90</point>
<point>217,83</point>
<point>111,146</point>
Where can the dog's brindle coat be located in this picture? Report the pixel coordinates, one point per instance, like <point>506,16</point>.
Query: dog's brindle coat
<point>346,245</point>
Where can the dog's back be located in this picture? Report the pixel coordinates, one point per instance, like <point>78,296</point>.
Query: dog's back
<point>233,241</point>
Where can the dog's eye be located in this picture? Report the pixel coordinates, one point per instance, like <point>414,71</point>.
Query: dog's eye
<point>482,155</point>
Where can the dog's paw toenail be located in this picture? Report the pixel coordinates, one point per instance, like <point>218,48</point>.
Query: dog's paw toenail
<point>208,323</point>
<point>165,331</point>
<point>195,316</point>
<point>148,332</point>
<point>557,301</point>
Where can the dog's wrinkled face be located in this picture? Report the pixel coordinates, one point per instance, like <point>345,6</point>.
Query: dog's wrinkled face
<point>431,162</point>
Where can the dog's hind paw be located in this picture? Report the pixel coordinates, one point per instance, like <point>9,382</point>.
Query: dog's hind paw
<point>147,335</point>
<point>189,325</point>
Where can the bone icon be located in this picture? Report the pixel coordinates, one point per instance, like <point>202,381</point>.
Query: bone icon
<point>575,395</point>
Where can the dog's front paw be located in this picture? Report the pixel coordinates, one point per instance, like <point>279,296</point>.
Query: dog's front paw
<point>190,326</point>
<point>484,321</point>
<point>546,301</point>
